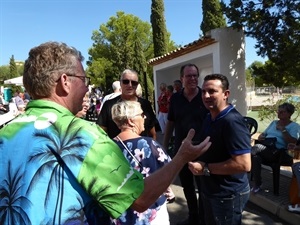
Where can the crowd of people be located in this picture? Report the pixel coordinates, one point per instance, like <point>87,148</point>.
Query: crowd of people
<point>114,171</point>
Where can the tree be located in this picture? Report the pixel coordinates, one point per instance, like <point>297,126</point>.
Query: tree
<point>212,15</point>
<point>254,76</point>
<point>275,24</point>
<point>13,70</point>
<point>4,73</point>
<point>268,74</point>
<point>159,31</point>
<point>123,42</point>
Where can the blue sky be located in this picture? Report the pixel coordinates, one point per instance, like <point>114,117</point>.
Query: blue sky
<point>28,23</point>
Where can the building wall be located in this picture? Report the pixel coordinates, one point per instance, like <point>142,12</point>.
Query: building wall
<point>226,56</point>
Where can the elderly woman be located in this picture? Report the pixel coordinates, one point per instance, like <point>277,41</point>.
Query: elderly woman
<point>284,131</point>
<point>144,154</point>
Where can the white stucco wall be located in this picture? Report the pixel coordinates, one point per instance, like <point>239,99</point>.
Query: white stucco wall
<point>226,56</point>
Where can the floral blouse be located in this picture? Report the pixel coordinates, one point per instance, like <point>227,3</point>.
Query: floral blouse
<point>145,155</point>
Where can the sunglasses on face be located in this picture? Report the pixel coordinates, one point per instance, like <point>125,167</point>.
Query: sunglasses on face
<point>133,82</point>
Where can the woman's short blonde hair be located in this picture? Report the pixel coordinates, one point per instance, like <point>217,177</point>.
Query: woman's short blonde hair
<point>124,110</point>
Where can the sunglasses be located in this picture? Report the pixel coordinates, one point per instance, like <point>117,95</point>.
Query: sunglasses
<point>133,82</point>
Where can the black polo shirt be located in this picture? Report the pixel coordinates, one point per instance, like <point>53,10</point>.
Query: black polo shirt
<point>105,117</point>
<point>186,115</point>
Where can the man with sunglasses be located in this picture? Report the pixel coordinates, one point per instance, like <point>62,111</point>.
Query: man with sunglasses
<point>129,82</point>
<point>57,168</point>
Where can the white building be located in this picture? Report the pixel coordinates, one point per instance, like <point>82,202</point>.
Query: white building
<point>221,51</point>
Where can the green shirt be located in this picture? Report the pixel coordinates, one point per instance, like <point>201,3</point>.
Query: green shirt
<point>58,168</point>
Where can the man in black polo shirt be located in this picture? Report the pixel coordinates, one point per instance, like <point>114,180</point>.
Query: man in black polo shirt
<point>129,82</point>
<point>187,111</point>
<point>224,182</point>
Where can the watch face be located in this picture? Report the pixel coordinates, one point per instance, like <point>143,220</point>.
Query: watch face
<point>206,171</point>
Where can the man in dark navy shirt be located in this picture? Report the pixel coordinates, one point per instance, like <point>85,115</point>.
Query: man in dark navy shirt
<point>223,168</point>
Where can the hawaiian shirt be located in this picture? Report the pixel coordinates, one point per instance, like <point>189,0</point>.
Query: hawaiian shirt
<point>60,169</point>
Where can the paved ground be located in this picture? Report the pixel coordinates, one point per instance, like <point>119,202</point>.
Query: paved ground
<point>265,199</point>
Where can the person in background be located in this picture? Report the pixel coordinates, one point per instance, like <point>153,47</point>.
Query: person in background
<point>67,168</point>
<point>3,110</point>
<point>129,82</point>
<point>27,96</point>
<point>116,86</point>
<point>187,111</point>
<point>177,84</point>
<point>295,208</point>
<point>144,154</point>
<point>285,131</point>
<point>85,106</point>
<point>163,107</point>
<point>170,90</point>
<point>19,100</point>
<point>223,168</point>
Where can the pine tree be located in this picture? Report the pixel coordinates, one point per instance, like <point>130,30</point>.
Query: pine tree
<point>13,70</point>
<point>212,15</point>
<point>159,31</point>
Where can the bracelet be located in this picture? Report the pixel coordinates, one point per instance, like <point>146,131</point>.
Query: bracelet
<point>284,131</point>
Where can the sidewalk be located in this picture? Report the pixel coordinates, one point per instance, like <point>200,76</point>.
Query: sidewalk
<point>265,199</point>
<point>276,204</point>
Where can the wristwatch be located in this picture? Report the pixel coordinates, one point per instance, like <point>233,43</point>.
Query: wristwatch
<point>206,171</point>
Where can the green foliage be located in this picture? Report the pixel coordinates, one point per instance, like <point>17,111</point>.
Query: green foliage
<point>268,74</point>
<point>275,24</point>
<point>123,42</point>
<point>13,70</point>
<point>269,110</point>
<point>4,73</point>
<point>159,30</point>
<point>212,15</point>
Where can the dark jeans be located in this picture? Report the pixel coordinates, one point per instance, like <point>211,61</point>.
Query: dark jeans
<point>225,210</point>
<point>195,205</point>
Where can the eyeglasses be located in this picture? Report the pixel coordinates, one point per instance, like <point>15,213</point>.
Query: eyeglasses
<point>189,76</point>
<point>133,82</point>
<point>86,80</point>
<point>142,115</point>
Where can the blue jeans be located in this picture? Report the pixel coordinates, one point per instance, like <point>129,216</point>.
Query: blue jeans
<point>225,210</point>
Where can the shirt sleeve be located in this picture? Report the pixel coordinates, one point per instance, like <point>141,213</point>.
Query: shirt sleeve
<point>107,176</point>
<point>238,137</point>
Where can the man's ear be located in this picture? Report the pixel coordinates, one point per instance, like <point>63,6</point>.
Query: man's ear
<point>226,94</point>
<point>64,83</point>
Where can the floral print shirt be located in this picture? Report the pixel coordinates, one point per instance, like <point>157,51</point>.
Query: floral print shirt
<point>145,155</point>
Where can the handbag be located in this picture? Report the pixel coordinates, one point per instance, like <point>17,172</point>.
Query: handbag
<point>268,142</point>
<point>293,192</point>
<point>267,149</point>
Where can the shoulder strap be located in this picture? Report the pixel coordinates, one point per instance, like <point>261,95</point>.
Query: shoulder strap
<point>129,152</point>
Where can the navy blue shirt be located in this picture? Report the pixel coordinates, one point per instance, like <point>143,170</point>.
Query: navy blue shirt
<point>229,136</point>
